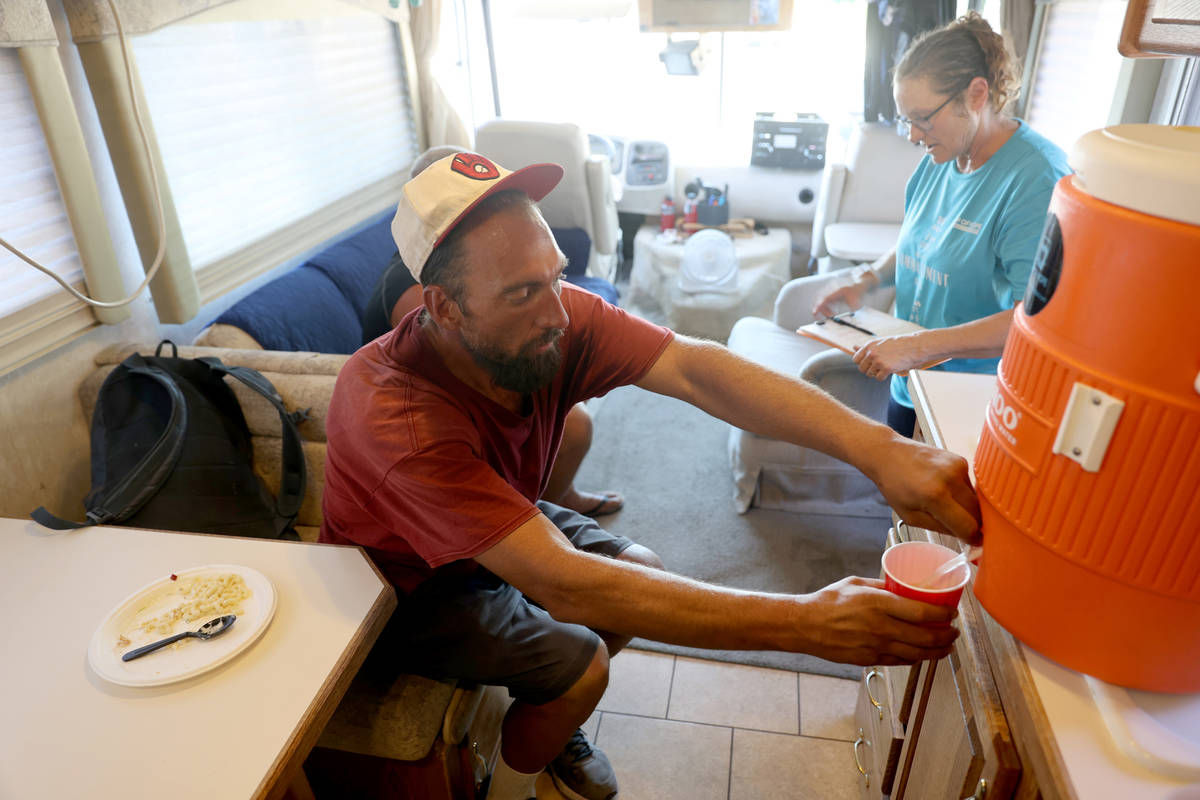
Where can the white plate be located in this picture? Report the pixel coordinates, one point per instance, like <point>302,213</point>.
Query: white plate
<point>189,657</point>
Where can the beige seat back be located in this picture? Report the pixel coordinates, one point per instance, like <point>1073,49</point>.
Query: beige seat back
<point>868,186</point>
<point>583,199</point>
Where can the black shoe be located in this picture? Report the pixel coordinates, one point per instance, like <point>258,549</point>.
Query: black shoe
<point>581,772</point>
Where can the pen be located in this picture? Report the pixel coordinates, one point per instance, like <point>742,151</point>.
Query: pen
<point>851,325</point>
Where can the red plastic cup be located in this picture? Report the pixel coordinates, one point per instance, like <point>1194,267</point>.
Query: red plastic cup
<point>908,566</point>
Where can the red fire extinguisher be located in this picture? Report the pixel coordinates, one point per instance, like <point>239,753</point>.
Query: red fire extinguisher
<point>667,221</point>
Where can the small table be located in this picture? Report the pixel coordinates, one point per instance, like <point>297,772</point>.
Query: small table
<point>764,265</point>
<point>242,730</point>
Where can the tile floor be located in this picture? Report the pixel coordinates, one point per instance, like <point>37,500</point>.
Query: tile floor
<point>680,728</point>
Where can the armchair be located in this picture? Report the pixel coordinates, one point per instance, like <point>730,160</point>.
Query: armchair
<point>584,197</point>
<point>769,473</point>
<point>861,204</point>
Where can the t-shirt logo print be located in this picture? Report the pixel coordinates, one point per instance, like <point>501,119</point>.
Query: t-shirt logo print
<point>475,167</point>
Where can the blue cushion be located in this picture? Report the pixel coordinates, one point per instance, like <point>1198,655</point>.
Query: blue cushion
<point>576,246</point>
<point>597,286</point>
<point>303,309</point>
<point>355,263</point>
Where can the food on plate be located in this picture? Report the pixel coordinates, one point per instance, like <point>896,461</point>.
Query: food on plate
<point>201,596</point>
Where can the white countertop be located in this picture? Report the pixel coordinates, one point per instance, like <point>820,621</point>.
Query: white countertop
<point>68,733</point>
<point>1096,767</point>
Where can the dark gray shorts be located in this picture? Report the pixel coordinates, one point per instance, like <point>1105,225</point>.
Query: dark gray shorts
<point>482,630</point>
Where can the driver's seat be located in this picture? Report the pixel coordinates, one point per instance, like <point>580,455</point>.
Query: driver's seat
<point>583,199</point>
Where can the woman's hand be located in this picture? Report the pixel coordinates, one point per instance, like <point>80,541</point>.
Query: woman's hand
<point>852,295</point>
<point>854,292</point>
<point>890,355</point>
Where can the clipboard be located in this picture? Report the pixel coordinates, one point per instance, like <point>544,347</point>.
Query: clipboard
<point>847,332</point>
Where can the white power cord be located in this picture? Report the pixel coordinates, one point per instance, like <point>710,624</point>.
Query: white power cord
<point>162,222</point>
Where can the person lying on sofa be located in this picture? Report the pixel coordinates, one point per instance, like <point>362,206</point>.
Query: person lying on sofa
<point>440,437</point>
<point>398,293</point>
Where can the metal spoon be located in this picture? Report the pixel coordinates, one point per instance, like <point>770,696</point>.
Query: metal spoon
<point>206,631</point>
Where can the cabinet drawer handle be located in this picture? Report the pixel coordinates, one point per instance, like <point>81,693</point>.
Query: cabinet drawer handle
<point>857,763</point>
<point>980,791</point>
<point>878,705</point>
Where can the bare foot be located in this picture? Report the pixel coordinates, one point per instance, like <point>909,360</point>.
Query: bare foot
<point>592,504</point>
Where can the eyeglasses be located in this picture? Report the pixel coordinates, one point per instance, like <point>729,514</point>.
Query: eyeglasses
<point>924,123</point>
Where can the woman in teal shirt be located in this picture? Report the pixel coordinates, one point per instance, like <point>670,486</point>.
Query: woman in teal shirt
<point>973,211</point>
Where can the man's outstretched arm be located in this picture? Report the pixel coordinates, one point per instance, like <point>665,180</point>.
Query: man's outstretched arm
<point>854,620</point>
<point>926,486</point>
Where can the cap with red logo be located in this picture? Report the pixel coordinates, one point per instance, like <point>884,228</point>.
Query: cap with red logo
<point>433,202</point>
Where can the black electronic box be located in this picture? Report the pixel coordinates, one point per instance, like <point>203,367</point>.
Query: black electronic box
<point>796,143</point>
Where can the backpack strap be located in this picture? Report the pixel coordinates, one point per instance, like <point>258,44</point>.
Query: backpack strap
<point>293,473</point>
<point>140,484</point>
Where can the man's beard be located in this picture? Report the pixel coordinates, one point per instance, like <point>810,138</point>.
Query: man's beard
<point>523,373</point>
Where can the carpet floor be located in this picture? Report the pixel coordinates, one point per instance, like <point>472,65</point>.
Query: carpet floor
<point>669,460</point>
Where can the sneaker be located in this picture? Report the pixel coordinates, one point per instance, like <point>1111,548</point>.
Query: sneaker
<point>581,772</point>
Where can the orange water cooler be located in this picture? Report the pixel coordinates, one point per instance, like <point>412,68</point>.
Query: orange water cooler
<point>1088,467</point>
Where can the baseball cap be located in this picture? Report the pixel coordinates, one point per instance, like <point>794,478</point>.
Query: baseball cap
<point>433,202</point>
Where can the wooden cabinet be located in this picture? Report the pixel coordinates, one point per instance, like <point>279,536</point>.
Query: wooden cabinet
<point>1157,28</point>
<point>880,736</point>
<point>936,730</point>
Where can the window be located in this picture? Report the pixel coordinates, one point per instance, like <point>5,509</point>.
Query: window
<point>268,126</point>
<point>33,216</point>
<point>50,210</point>
<point>461,62</point>
<point>603,73</point>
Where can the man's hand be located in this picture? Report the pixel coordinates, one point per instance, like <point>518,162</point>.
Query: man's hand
<point>857,621</point>
<point>927,487</point>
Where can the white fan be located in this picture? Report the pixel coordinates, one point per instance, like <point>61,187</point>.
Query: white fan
<point>709,263</point>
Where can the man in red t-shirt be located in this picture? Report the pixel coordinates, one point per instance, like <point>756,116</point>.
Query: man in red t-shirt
<point>440,438</point>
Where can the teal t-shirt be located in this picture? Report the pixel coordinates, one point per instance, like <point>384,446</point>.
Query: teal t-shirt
<point>967,243</point>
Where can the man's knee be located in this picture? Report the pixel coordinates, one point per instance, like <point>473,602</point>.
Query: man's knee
<point>637,554</point>
<point>589,686</point>
<point>577,429</point>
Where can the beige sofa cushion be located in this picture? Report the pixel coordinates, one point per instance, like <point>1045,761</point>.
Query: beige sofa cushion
<point>229,337</point>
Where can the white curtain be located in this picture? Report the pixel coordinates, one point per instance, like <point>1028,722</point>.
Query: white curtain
<point>1016,24</point>
<point>441,121</point>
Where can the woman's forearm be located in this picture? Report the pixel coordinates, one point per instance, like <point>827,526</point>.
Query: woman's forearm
<point>881,272</point>
<point>981,338</point>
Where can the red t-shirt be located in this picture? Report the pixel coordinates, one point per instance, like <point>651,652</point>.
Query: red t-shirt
<point>426,473</point>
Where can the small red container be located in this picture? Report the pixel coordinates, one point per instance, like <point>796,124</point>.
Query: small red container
<point>667,220</point>
<point>907,565</point>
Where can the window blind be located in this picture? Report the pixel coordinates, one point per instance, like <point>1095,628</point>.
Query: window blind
<point>33,216</point>
<point>1076,69</point>
<point>275,131</point>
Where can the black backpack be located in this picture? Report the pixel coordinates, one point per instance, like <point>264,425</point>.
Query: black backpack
<point>171,450</point>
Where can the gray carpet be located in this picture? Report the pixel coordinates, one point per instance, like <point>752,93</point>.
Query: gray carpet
<point>669,461</point>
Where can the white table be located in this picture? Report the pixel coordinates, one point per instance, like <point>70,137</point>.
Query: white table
<point>240,731</point>
<point>764,265</point>
<point>1063,726</point>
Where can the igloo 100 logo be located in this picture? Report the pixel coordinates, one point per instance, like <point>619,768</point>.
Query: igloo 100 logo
<point>1009,417</point>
